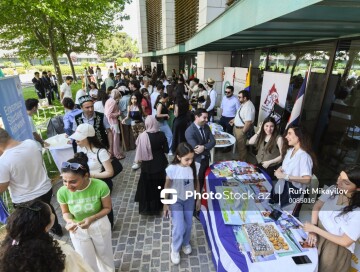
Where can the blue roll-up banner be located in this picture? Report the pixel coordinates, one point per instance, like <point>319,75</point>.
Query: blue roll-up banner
<point>12,109</point>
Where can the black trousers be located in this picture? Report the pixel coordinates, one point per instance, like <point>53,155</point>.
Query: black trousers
<point>204,164</point>
<point>211,115</point>
<point>224,122</point>
<point>110,215</point>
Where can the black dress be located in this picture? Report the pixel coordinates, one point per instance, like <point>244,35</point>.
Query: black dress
<point>152,176</point>
<point>180,124</point>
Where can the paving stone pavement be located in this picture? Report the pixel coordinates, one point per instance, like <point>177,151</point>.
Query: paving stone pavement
<point>142,243</point>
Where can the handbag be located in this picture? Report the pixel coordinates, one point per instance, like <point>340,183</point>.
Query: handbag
<point>4,213</point>
<point>116,165</point>
<point>251,130</point>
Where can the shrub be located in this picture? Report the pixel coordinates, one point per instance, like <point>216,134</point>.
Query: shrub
<point>9,64</point>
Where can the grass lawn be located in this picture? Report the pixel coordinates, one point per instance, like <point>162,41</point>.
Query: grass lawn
<point>29,92</point>
<point>53,172</point>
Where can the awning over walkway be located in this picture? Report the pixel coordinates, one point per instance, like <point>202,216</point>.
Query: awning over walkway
<point>249,24</point>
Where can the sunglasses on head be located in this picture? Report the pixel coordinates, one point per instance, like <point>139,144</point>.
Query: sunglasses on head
<point>72,165</point>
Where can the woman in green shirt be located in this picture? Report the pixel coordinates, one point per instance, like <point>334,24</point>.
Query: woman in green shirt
<point>84,203</point>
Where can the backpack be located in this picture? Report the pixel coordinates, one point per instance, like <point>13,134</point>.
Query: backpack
<point>55,126</point>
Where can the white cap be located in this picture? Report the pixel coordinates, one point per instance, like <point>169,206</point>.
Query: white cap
<point>83,131</point>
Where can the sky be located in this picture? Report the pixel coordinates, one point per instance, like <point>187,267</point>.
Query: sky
<point>131,26</point>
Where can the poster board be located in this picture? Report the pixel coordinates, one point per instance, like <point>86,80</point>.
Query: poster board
<point>228,77</point>
<point>12,109</point>
<point>274,90</point>
<point>240,79</point>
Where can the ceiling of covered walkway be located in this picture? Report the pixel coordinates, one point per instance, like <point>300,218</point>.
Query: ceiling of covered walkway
<point>248,24</point>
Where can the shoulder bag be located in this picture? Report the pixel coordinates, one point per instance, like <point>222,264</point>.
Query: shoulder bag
<point>251,130</point>
<point>117,166</point>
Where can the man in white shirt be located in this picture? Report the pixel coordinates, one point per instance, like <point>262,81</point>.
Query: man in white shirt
<point>109,81</point>
<point>65,89</point>
<point>212,95</point>
<point>243,121</point>
<point>159,90</point>
<point>22,170</point>
<point>79,94</point>
<point>32,105</point>
<point>110,70</point>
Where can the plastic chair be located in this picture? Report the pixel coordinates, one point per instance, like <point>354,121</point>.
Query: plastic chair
<point>44,105</point>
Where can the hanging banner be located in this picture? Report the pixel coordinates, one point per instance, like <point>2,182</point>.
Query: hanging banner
<point>228,77</point>
<point>240,79</point>
<point>12,109</point>
<point>274,90</point>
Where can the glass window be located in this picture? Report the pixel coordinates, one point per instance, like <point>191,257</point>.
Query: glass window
<point>340,142</point>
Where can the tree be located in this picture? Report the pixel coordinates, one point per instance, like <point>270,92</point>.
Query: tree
<point>119,45</point>
<point>31,25</point>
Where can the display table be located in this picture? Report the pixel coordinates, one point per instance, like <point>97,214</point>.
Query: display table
<point>60,149</point>
<point>223,139</point>
<point>230,244</point>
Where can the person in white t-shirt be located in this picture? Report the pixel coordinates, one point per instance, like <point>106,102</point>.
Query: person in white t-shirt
<point>93,90</point>
<point>22,170</point>
<point>181,176</point>
<point>99,160</point>
<point>65,89</point>
<point>32,105</point>
<point>335,222</point>
<point>79,94</point>
<point>243,122</point>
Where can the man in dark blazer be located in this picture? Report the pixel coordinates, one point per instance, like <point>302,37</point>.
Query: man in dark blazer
<point>199,136</point>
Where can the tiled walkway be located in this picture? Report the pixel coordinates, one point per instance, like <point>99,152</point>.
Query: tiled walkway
<point>142,243</point>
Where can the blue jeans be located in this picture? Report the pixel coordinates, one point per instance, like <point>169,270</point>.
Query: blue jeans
<point>164,127</point>
<point>182,214</point>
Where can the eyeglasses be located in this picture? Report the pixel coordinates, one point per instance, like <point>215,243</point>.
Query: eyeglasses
<point>227,92</point>
<point>72,165</point>
<point>35,209</point>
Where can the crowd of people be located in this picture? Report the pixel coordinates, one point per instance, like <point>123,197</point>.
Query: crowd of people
<point>155,115</point>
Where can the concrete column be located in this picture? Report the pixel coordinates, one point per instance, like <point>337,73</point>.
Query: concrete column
<point>142,26</point>
<point>145,61</point>
<point>168,23</point>
<point>211,64</point>
<point>209,10</point>
<point>170,62</point>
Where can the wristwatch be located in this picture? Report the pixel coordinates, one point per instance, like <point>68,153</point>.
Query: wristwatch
<point>287,177</point>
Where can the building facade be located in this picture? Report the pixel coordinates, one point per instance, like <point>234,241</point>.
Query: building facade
<point>276,35</point>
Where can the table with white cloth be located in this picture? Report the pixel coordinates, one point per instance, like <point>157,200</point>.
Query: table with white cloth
<point>223,139</point>
<point>60,149</point>
<point>228,223</point>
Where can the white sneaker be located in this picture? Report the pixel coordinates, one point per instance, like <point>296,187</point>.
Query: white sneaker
<point>175,257</point>
<point>135,166</point>
<point>187,249</point>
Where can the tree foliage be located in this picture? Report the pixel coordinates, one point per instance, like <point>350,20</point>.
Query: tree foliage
<point>49,27</point>
<point>119,45</point>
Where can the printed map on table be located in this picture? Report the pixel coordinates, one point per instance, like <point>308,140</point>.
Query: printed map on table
<point>237,206</point>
